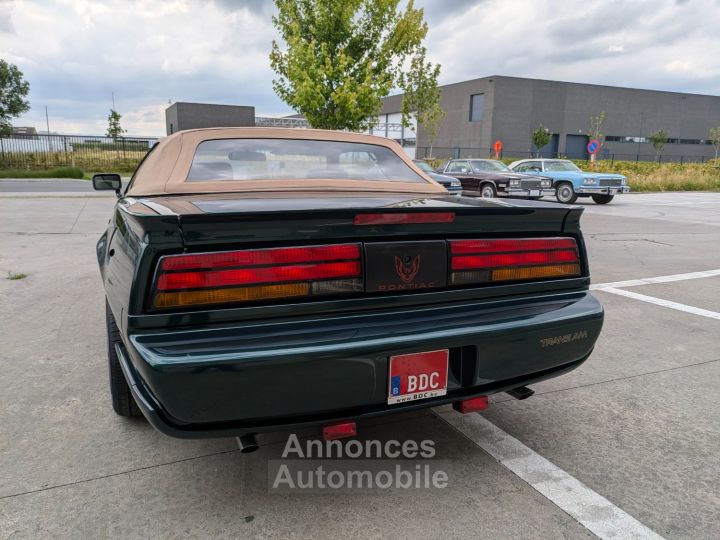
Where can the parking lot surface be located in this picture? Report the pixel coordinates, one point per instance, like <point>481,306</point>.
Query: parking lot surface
<point>626,445</point>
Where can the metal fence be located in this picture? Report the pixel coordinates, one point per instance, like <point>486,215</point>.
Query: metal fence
<point>122,154</point>
<point>479,153</point>
<point>90,153</point>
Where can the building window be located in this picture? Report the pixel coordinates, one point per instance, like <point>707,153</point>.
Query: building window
<point>623,139</point>
<point>477,106</point>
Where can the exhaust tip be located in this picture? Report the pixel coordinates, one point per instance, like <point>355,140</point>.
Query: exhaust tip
<point>247,443</point>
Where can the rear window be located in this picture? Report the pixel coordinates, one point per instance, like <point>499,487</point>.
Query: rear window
<point>561,166</point>
<point>296,159</point>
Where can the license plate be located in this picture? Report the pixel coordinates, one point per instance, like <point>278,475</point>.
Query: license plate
<point>418,376</point>
<point>534,192</point>
<point>613,191</point>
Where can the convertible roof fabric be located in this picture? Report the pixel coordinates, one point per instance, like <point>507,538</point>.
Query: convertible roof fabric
<point>165,170</point>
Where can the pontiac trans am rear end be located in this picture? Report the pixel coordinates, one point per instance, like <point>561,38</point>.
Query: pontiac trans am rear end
<point>261,279</point>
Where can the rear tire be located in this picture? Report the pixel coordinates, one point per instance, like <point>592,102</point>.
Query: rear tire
<point>602,199</point>
<point>487,191</point>
<point>122,401</point>
<point>565,193</point>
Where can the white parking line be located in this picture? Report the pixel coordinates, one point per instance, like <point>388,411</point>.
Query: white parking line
<point>658,279</point>
<point>590,509</point>
<point>663,303</point>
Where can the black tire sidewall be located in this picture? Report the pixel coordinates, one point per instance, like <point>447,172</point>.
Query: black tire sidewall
<point>122,400</point>
<point>602,199</point>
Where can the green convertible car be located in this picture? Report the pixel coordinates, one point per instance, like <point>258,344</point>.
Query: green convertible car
<point>261,279</point>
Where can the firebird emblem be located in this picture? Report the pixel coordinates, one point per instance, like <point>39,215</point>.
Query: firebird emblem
<point>407,267</point>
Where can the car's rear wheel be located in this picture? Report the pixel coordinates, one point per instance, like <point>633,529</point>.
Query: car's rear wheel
<point>565,193</point>
<point>602,199</point>
<point>122,401</point>
<point>487,191</point>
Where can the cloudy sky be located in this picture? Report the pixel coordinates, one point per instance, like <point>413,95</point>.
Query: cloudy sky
<point>75,53</point>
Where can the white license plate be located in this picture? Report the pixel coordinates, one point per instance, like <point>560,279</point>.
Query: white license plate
<point>534,192</point>
<point>613,191</point>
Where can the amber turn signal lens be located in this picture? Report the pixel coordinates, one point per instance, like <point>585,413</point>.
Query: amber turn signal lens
<point>221,296</point>
<point>535,272</point>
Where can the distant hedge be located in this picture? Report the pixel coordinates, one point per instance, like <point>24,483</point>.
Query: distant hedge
<point>57,172</point>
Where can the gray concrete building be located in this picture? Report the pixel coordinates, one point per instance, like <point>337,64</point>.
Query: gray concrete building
<point>481,111</point>
<point>182,115</point>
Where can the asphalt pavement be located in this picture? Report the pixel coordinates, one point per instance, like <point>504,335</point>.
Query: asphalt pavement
<point>48,185</point>
<point>625,446</point>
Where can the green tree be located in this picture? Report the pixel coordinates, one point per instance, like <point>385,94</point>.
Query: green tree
<point>13,91</point>
<point>659,139</point>
<point>596,123</point>
<point>540,137</point>
<point>715,140</point>
<point>341,57</point>
<point>114,129</point>
<point>422,96</point>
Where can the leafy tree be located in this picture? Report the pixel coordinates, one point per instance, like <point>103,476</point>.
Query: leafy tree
<point>13,91</point>
<point>715,140</point>
<point>659,139</point>
<point>596,123</point>
<point>114,129</point>
<point>540,137</point>
<point>343,56</point>
<point>422,96</point>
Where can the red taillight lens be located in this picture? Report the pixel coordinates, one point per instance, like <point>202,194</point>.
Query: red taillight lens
<point>263,274</point>
<point>458,247</point>
<point>481,261</point>
<point>255,275</point>
<point>253,257</point>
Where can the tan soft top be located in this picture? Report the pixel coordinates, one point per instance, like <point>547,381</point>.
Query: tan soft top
<point>165,170</point>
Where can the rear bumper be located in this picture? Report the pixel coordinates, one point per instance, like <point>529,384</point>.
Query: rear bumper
<point>256,377</point>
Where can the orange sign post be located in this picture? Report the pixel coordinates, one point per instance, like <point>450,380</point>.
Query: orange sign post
<point>498,148</point>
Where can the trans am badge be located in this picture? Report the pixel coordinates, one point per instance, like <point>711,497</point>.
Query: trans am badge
<point>407,267</point>
<point>565,338</point>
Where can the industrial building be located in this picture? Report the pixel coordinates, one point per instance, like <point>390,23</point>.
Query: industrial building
<point>182,115</point>
<point>482,111</point>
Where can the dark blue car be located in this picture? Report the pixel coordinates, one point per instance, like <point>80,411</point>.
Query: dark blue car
<point>453,185</point>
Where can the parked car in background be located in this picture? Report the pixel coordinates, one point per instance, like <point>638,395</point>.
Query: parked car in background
<point>453,185</point>
<point>259,279</point>
<point>492,178</point>
<point>571,182</point>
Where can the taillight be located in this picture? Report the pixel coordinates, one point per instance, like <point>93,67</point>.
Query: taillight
<point>396,218</point>
<point>484,261</point>
<point>257,275</point>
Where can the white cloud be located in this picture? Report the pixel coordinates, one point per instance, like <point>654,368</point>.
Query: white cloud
<point>75,52</point>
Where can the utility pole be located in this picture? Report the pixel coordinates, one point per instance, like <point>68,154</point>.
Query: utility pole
<point>113,99</point>
<point>47,120</point>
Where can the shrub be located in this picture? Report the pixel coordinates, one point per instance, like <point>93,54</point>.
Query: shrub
<point>57,172</point>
